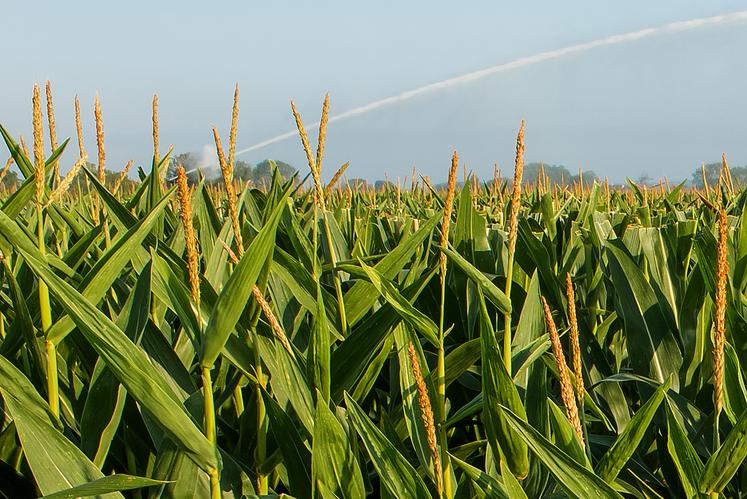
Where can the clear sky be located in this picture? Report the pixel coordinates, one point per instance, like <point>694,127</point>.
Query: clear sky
<point>660,105</point>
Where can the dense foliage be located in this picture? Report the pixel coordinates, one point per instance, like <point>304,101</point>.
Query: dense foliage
<point>314,347</point>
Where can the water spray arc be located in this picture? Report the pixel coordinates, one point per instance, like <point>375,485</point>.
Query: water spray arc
<point>670,28</point>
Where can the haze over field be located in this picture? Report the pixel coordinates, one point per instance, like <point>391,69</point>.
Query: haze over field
<point>659,105</point>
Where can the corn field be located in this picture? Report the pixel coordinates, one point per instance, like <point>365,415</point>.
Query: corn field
<point>495,339</point>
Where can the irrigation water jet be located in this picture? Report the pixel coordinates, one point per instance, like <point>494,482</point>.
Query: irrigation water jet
<point>670,28</point>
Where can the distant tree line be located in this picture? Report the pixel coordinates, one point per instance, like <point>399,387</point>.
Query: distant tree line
<point>12,180</point>
<point>712,172</point>
<point>245,171</point>
<point>242,170</point>
<point>557,174</point>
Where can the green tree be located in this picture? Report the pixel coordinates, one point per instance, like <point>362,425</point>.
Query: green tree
<point>243,170</point>
<point>358,182</point>
<point>713,171</point>
<point>10,181</point>
<point>186,160</point>
<point>557,174</point>
<point>265,168</point>
<point>644,179</point>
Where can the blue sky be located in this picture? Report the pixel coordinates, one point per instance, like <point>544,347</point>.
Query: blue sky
<point>660,105</point>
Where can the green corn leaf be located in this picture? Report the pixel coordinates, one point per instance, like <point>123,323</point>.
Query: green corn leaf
<point>511,484</point>
<point>735,392</point>
<point>498,388</point>
<point>489,485</point>
<point>127,361</point>
<point>109,267</point>
<point>233,298</point>
<point>397,475</point>
<point>417,319</point>
<point>101,414</point>
<point>625,445</point>
<point>333,460</point>
<point>686,460</point>
<point>492,292</point>
<point>651,344</point>
<point>359,299</point>
<point>573,478</point>
<point>289,382</point>
<point>296,456</point>
<point>318,356</point>
<point>726,461</point>
<point>409,389</point>
<point>351,357</point>
<point>564,435</point>
<point>106,485</point>
<point>55,461</point>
